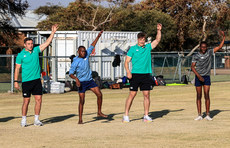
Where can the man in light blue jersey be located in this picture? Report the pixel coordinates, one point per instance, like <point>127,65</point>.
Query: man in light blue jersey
<point>83,78</point>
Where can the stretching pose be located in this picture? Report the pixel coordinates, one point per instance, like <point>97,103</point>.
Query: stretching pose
<point>201,66</point>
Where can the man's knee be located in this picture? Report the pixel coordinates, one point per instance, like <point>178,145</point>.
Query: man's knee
<point>198,96</point>
<point>132,94</point>
<point>82,101</point>
<point>206,96</point>
<point>26,101</point>
<point>38,99</point>
<point>99,95</point>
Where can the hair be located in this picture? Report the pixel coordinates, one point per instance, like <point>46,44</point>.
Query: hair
<point>141,35</point>
<point>203,42</point>
<point>80,47</point>
<point>27,39</point>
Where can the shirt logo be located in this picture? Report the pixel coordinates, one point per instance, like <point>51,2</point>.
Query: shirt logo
<point>131,87</point>
<point>24,94</point>
<point>24,56</point>
<point>202,57</point>
<point>137,50</point>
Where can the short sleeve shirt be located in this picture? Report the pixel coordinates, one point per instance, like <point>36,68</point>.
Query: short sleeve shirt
<point>141,59</point>
<point>30,64</point>
<point>203,62</point>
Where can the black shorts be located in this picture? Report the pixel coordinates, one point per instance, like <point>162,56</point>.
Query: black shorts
<point>144,81</point>
<point>33,87</point>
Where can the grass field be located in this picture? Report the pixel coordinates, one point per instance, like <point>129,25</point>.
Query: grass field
<point>172,108</point>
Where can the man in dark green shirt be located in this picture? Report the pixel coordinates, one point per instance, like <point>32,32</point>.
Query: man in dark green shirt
<point>140,76</point>
<point>28,59</point>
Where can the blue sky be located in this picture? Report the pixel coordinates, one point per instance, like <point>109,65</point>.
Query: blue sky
<point>36,3</point>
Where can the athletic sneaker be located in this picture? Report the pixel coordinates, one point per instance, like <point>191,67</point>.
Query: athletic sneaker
<point>38,123</point>
<point>198,118</point>
<point>208,118</point>
<point>147,119</point>
<point>125,119</point>
<point>23,123</point>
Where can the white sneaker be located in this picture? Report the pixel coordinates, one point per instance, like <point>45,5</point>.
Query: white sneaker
<point>198,118</point>
<point>38,123</point>
<point>125,119</point>
<point>147,119</point>
<point>23,123</point>
<point>208,118</point>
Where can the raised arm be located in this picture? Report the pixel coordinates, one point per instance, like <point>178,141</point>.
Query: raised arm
<point>16,73</point>
<point>48,41</point>
<point>158,37</point>
<point>97,38</point>
<point>127,60</point>
<point>222,42</point>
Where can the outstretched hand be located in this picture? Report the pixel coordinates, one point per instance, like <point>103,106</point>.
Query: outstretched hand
<point>54,28</point>
<point>100,33</point>
<point>159,26</point>
<point>221,33</point>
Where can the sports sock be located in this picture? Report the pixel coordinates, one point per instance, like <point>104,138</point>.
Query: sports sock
<point>23,117</point>
<point>36,117</point>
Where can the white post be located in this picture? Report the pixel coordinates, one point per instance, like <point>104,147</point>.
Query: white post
<point>12,74</point>
<point>214,64</point>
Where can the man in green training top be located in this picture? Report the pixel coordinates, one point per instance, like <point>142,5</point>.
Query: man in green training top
<point>28,59</point>
<point>140,76</point>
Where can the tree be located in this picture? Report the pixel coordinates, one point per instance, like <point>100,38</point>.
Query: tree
<point>146,21</point>
<point>79,15</point>
<point>189,16</point>
<point>9,8</point>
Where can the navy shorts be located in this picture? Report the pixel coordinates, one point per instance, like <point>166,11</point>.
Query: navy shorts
<point>207,81</point>
<point>86,85</point>
<point>33,87</point>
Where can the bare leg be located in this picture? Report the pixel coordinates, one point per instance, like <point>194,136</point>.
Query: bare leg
<point>207,98</point>
<point>98,93</point>
<point>129,101</point>
<point>38,104</point>
<point>80,107</point>
<point>198,99</point>
<point>25,104</point>
<point>146,95</point>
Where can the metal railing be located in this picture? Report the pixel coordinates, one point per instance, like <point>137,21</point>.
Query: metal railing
<point>169,65</point>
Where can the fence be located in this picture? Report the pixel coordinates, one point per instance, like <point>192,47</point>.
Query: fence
<point>171,65</point>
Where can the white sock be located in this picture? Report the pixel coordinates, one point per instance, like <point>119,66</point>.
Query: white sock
<point>36,117</point>
<point>24,118</point>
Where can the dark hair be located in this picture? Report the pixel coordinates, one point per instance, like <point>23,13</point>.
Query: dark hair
<point>141,35</point>
<point>203,42</point>
<point>27,39</point>
<point>80,47</point>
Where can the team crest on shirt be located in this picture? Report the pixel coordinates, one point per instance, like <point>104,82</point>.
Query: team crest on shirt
<point>24,56</point>
<point>137,50</point>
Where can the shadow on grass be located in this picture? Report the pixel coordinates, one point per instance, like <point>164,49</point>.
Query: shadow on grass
<point>107,120</point>
<point>158,114</point>
<point>6,119</point>
<point>215,112</point>
<point>60,118</point>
